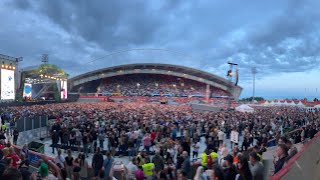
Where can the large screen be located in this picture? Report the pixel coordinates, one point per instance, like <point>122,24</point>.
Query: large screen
<point>27,90</point>
<point>64,89</point>
<point>7,84</point>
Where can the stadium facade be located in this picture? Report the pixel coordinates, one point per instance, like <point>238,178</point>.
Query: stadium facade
<point>161,69</point>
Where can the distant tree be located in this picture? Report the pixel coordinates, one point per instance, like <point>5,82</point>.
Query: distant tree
<point>250,99</point>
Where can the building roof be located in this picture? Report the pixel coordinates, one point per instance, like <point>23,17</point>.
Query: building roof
<point>175,70</point>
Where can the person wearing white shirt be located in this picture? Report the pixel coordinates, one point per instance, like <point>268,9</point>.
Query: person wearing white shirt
<point>220,137</point>
<point>59,159</point>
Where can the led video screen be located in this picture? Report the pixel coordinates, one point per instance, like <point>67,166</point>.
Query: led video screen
<point>7,84</point>
<point>27,90</point>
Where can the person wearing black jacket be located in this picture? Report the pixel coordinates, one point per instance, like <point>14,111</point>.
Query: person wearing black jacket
<point>230,171</point>
<point>97,162</point>
<point>282,153</point>
<point>55,140</point>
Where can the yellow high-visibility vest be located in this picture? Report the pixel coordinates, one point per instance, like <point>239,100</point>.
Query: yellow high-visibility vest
<point>204,160</point>
<point>214,156</point>
<point>147,169</point>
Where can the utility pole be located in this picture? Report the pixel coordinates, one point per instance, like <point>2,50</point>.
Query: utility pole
<point>254,72</point>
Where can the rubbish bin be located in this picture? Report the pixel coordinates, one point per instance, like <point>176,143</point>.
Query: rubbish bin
<point>36,146</point>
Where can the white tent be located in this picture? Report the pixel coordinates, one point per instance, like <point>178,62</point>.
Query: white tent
<point>266,103</point>
<point>285,103</point>
<point>300,104</point>
<point>278,103</point>
<point>272,103</point>
<point>292,103</point>
<point>244,108</point>
<point>317,106</point>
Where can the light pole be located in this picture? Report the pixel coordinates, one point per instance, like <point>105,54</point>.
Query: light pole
<point>254,71</point>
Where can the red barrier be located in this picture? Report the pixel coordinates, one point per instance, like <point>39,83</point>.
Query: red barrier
<point>289,164</point>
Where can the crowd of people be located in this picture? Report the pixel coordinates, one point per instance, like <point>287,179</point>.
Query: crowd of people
<point>151,85</point>
<point>161,141</point>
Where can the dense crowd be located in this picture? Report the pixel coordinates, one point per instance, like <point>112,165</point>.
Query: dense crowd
<point>161,141</point>
<point>149,84</point>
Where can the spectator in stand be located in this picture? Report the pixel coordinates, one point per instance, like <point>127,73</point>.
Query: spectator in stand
<point>15,135</point>
<point>229,171</point>
<point>69,164</point>
<point>11,173</point>
<point>186,167</point>
<point>25,150</point>
<point>292,150</point>
<point>97,162</point>
<point>147,142</point>
<point>217,173</point>
<point>15,158</point>
<point>256,166</point>
<point>244,172</point>
<point>107,164</point>
<point>132,169</point>
<point>158,161</point>
<point>24,167</point>
<point>282,153</point>
<point>140,174</point>
<point>83,164</point>
<point>55,140</point>
<point>148,168</point>
<point>59,159</point>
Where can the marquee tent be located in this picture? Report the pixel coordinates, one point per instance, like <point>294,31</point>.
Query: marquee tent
<point>244,108</point>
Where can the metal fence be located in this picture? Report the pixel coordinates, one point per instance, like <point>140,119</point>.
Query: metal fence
<point>30,123</point>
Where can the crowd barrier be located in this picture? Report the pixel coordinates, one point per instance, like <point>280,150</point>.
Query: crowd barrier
<point>304,165</point>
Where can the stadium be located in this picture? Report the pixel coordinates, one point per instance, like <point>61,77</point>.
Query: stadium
<point>154,80</point>
<point>160,118</point>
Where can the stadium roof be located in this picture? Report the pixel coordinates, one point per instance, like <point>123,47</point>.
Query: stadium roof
<point>152,68</point>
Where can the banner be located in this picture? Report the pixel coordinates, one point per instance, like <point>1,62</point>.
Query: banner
<point>7,84</point>
<point>27,90</point>
<point>234,136</point>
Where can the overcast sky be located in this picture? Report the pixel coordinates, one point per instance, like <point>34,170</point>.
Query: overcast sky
<point>279,37</point>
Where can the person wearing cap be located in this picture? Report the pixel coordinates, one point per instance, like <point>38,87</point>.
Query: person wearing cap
<point>229,172</point>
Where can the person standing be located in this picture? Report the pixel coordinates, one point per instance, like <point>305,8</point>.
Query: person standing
<point>55,140</point>
<point>282,153</point>
<point>107,164</point>
<point>186,162</point>
<point>69,164</point>
<point>15,135</point>
<point>85,142</point>
<point>255,166</point>
<point>97,162</point>
<point>59,159</point>
<point>147,142</point>
<point>158,161</point>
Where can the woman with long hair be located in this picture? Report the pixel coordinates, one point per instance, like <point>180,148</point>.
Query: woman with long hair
<point>84,167</point>
<point>244,172</point>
